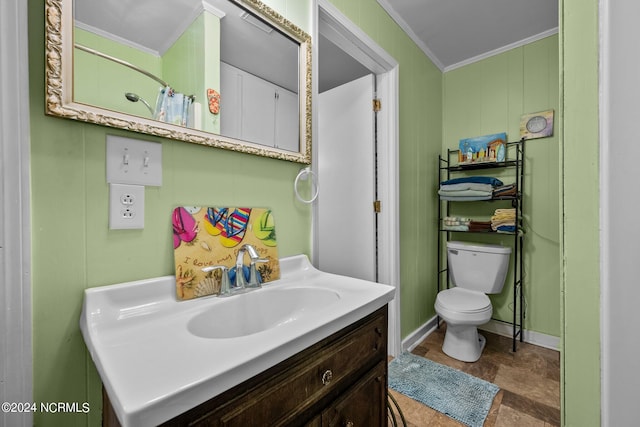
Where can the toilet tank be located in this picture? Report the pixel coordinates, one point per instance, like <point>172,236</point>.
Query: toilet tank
<point>478,266</point>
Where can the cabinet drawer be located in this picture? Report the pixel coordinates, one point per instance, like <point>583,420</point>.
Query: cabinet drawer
<point>324,376</point>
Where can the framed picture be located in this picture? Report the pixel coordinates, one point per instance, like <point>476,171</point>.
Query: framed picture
<point>483,149</point>
<point>536,125</point>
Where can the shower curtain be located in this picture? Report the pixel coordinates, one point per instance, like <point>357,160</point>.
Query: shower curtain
<point>173,107</point>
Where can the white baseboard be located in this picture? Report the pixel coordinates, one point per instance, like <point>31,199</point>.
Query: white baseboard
<point>531,337</point>
<point>499,328</point>
<point>417,336</point>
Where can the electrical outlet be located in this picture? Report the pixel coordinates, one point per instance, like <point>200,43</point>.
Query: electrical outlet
<point>126,206</point>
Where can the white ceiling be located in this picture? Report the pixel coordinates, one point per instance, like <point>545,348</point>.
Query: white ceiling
<point>456,32</point>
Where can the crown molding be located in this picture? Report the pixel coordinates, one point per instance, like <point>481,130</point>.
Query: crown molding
<point>413,36</point>
<point>502,49</point>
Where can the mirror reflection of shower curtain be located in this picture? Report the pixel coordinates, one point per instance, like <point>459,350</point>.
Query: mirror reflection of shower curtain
<point>174,107</point>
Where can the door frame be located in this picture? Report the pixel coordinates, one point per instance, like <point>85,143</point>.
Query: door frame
<point>16,369</point>
<point>336,27</point>
<point>617,66</point>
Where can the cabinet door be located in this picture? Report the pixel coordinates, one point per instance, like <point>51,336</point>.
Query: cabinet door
<point>287,118</point>
<point>231,101</point>
<point>258,111</point>
<point>363,405</point>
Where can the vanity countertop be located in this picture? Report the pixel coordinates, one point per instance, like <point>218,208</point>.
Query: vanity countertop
<point>156,359</point>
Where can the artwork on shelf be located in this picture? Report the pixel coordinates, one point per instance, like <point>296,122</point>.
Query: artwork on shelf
<point>213,236</point>
<point>536,125</point>
<point>483,149</point>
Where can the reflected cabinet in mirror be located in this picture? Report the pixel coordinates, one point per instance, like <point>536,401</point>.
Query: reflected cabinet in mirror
<point>231,74</point>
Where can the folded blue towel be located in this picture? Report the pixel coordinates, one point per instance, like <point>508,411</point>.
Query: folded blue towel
<point>506,229</point>
<point>475,179</point>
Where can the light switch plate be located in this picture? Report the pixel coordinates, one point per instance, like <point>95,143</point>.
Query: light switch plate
<point>133,161</point>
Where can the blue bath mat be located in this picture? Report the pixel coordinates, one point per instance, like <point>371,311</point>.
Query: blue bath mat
<point>454,393</point>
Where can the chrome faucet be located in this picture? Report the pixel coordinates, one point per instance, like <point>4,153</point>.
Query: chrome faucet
<point>241,282</point>
<point>254,258</point>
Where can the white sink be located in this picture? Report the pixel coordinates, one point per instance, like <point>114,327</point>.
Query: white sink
<point>260,310</point>
<point>159,357</point>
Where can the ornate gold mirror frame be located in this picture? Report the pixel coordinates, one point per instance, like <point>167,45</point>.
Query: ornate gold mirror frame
<point>59,49</point>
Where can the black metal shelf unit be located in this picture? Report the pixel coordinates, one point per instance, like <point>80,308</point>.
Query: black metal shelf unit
<point>448,164</point>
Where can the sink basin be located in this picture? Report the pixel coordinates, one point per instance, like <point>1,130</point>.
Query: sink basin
<point>159,357</point>
<point>260,310</point>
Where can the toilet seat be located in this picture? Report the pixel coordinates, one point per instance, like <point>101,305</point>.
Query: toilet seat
<point>463,306</point>
<point>464,300</point>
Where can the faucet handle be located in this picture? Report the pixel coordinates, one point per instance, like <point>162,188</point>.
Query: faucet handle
<point>225,286</point>
<point>254,281</point>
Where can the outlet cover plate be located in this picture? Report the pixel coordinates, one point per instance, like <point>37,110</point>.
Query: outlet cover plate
<point>126,206</point>
<point>133,161</point>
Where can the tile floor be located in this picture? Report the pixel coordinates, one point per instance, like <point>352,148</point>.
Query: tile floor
<point>529,382</point>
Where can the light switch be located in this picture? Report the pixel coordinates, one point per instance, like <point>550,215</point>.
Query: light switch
<point>133,161</point>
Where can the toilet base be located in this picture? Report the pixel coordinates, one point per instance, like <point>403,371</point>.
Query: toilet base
<point>463,342</point>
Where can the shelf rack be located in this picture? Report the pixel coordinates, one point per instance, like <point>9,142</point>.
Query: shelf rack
<point>446,166</point>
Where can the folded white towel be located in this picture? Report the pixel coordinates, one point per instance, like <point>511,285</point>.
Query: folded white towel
<point>466,186</point>
<point>465,193</point>
<point>454,220</point>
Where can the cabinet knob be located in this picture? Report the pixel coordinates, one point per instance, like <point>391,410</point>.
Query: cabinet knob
<point>327,377</point>
<point>379,331</point>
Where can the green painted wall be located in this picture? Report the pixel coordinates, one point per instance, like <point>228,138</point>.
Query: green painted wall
<point>490,96</point>
<point>98,81</point>
<point>192,64</point>
<point>580,212</point>
<point>73,249</point>
<point>420,144</point>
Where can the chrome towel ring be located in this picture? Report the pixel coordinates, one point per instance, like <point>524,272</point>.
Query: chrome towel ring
<point>303,175</point>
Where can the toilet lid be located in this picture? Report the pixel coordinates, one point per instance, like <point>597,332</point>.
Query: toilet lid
<point>464,300</point>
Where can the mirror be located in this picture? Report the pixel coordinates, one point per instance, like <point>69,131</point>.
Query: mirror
<point>232,74</point>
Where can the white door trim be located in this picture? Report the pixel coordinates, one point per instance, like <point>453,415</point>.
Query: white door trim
<point>619,65</point>
<point>605,212</point>
<point>332,24</point>
<point>16,370</point>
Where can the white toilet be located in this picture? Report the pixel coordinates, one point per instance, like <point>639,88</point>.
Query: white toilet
<point>476,270</point>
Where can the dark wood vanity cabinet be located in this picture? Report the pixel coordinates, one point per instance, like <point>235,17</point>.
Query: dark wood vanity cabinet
<point>339,381</point>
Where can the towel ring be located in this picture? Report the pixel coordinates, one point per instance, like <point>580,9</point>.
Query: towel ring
<point>302,175</point>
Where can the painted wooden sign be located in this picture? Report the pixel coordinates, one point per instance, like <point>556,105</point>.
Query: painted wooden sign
<point>213,236</point>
